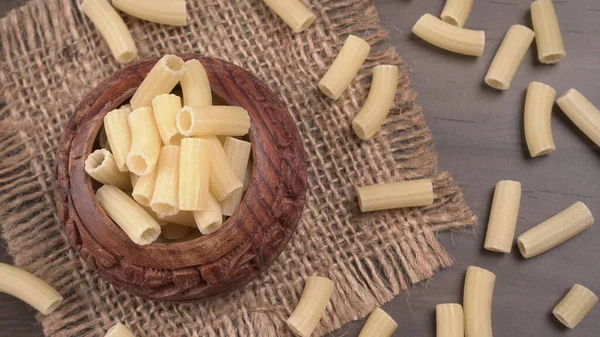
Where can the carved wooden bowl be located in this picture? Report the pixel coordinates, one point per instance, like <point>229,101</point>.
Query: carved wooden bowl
<point>209,265</point>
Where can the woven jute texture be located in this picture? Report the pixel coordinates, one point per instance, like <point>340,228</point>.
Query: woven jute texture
<point>52,56</point>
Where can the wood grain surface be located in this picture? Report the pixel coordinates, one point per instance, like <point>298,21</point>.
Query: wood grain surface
<point>479,138</point>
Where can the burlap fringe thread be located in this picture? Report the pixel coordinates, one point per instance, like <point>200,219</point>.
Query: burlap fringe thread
<point>51,56</point>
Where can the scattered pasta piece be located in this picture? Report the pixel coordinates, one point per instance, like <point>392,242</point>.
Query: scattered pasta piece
<point>412,193</point>
<point>29,289</point>
<point>379,324</point>
<point>238,153</point>
<point>170,12</point>
<point>477,301</point>
<point>582,113</point>
<point>547,32</point>
<point>311,307</point>
<point>293,12</point>
<point>450,320</point>
<point>165,108</point>
<point>456,12</point>
<point>119,330</point>
<point>503,217</point>
<point>573,308</point>
<point>195,85</point>
<point>213,120</point>
<point>194,174</point>
<point>449,37</point>
<point>101,166</point>
<point>161,79</point>
<point>145,142</point>
<point>165,198</point>
<point>211,219</point>
<point>509,57</point>
<point>538,110</point>
<point>119,136</point>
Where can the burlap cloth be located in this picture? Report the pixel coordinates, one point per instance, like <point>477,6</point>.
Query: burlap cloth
<point>52,56</point>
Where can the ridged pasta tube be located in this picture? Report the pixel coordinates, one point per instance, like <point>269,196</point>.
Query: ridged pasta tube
<point>29,289</point>
<point>573,308</point>
<point>211,219</point>
<point>556,230</point>
<point>503,216</point>
<point>412,193</point>
<point>145,142</point>
<point>161,79</point>
<point>195,85</point>
<point>112,28</point>
<point>379,324</point>
<point>344,68</point>
<point>101,166</point>
<point>165,197</point>
<point>166,107</point>
<point>547,32</point>
<point>170,12</point>
<point>119,330</point>
<point>194,174</point>
<point>509,57</point>
<point>450,320</point>
<point>538,110</point>
<point>213,120</point>
<point>292,12</point>
<point>222,179</point>
<point>456,12</point>
<point>369,119</point>
<point>117,131</point>
<point>449,37</point>
<point>312,305</point>
<point>144,188</point>
<point>238,153</point>
<point>477,301</point>
<point>582,113</point>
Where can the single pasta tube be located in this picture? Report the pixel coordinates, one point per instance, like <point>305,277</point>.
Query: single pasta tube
<point>582,113</point>
<point>456,12</point>
<point>165,196</point>
<point>503,217</point>
<point>195,85</point>
<point>141,228</point>
<point>165,108</point>
<point>538,110</point>
<point>181,218</point>
<point>29,289</point>
<point>144,188</point>
<point>379,324</point>
<point>193,174</point>
<point>380,101</point>
<point>412,193</point>
<point>547,32</point>
<point>345,67</point>
<point>222,179</point>
<point>449,37</point>
<point>509,57</point>
<point>172,231</point>
<point>163,77</point>
<point>450,320</point>
<point>119,330</point>
<point>573,308</point>
<point>312,305</point>
<point>556,230</point>
<point>293,12</point>
<point>145,142</point>
<point>238,153</point>
<point>170,12</point>
<point>477,301</point>
<point>112,28</point>
<point>101,166</point>
<point>119,136</point>
<point>211,219</point>
<point>213,120</point>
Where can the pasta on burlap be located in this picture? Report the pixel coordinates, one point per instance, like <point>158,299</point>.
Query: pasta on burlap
<point>51,56</point>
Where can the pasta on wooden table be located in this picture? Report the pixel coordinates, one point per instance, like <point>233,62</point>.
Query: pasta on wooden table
<point>119,330</point>
<point>171,12</point>
<point>112,28</point>
<point>194,174</point>
<point>556,230</point>
<point>379,324</point>
<point>211,219</point>
<point>161,79</point>
<point>477,302</point>
<point>118,134</point>
<point>548,38</point>
<point>29,289</point>
<point>344,68</point>
<point>449,320</point>
<point>140,226</point>
<point>311,307</point>
<point>577,304</point>
<point>582,113</point>
<point>538,113</point>
<point>456,12</point>
<point>503,217</point>
<point>293,12</point>
<point>412,193</point>
<point>145,142</point>
<point>195,85</point>
<point>222,179</point>
<point>101,166</point>
<point>165,198</point>
<point>380,101</point>
<point>449,37</point>
<point>509,57</point>
<point>213,120</point>
<point>238,153</point>
<point>165,108</point>
<point>144,188</point>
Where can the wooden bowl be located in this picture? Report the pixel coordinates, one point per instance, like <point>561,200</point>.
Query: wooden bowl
<point>249,240</point>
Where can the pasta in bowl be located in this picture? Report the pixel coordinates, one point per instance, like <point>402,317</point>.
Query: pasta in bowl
<point>201,265</point>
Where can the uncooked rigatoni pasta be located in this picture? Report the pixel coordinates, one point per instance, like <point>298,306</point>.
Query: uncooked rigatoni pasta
<point>29,289</point>
<point>140,226</point>
<point>193,174</point>
<point>210,219</point>
<point>449,37</point>
<point>556,230</point>
<point>101,166</point>
<point>222,179</point>
<point>379,324</point>
<point>119,136</point>
<point>195,84</point>
<point>161,79</point>
<point>311,307</point>
<point>145,142</point>
<point>477,302</point>
<point>538,110</point>
<point>238,153</point>
<point>503,216</point>
<point>166,107</point>
<point>165,198</point>
<point>582,113</point>
<point>509,57</point>
<point>450,320</point>
<point>112,28</point>
<point>344,68</point>
<point>573,308</point>
<point>292,12</point>
<point>456,12</point>
<point>412,193</point>
<point>144,188</point>
<point>547,32</point>
<point>213,120</point>
<point>119,330</point>
<point>372,115</point>
<point>171,12</point>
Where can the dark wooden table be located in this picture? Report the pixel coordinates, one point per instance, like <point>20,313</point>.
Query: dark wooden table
<point>479,137</point>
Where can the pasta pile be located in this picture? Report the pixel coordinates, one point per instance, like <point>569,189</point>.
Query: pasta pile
<point>168,172</point>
